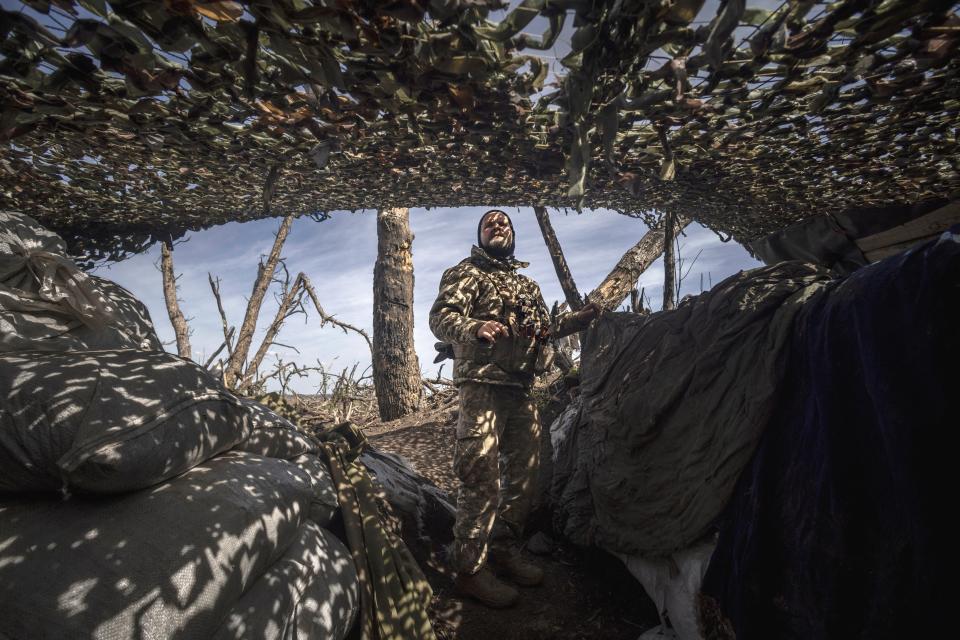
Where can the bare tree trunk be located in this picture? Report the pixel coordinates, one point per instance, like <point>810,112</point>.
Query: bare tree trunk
<point>617,285</point>
<point>559,262</point>
<point>669,265</point>
<point>260,286</point>
<point>177,319</point>
<point>396,371</point>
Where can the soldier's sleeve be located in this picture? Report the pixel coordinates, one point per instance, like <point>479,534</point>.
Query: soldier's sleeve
<point>565,323</point>
<point>450,318</point>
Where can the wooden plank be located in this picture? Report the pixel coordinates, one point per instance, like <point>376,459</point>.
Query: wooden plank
<point>904,235</point>
<point>883,252</point>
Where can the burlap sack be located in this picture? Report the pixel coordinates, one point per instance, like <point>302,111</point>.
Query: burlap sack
<point>310,593</point>
<point>273,435</point>
<point>325,503</point>
<point>109,421</point>
<point>48,304</point>
<point>166,562</point>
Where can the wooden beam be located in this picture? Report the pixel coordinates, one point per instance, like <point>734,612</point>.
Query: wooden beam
<point>894,240</point>
<point>617,285</point>
<point>574,301</point>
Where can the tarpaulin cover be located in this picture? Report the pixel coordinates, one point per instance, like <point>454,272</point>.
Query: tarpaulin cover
<point>838,527</point>
<point>673,406</point>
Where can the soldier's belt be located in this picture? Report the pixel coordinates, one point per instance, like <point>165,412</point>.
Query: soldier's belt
<point>510,354</point>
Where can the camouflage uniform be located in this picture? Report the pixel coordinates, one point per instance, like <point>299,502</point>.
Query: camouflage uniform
<point>498,434</point>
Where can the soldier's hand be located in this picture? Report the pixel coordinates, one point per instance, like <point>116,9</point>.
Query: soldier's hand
<point>491,330</point>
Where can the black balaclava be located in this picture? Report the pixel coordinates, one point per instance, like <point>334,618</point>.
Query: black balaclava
<point>508,252</point>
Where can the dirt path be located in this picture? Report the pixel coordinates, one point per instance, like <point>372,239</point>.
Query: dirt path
<point>586,593</point>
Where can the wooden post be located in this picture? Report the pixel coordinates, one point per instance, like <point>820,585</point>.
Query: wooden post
<point>179,322</point>
<point>574,301</point>
<point>396,370</point>
<point>617,285</point>
<point>669,264</point>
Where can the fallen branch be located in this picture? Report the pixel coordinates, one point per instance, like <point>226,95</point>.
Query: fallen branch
<point>559,261</point>
<point>617,285</point>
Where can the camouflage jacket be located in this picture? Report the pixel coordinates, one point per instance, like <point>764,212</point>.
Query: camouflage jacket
<point>483,288</point>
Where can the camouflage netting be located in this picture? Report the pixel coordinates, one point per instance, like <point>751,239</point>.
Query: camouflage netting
<point>131,119</point>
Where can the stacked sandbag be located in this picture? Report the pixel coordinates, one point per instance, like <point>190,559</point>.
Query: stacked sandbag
<point>179,560</point>
<point>110,421</point>
<point>138,497</point>
<point>48,304</point>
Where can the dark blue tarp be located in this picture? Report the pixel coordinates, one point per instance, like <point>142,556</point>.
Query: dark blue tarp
<point>837,528</point>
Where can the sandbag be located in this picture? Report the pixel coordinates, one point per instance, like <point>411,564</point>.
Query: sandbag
<point>673,405</point>
<point>166,562</point>
<point>311,593</point>
<point>48,304</point>
<point>109,421</point>
<point>325,504</point>
<point>273,435</point>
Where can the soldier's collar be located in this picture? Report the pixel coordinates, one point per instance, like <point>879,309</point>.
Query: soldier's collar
<point>481,257</point>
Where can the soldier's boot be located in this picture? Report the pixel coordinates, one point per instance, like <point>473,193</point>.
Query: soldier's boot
<point>484,587</point>
<point>511,563</point>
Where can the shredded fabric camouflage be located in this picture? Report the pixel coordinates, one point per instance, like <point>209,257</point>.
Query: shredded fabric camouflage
<point>125,121</point>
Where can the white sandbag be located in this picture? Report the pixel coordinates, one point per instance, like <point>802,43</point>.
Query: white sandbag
<point>673,583</point>
<point>166,562</point>
<point>311,593</point>
<point>109,421</point>
<point>132,327</point>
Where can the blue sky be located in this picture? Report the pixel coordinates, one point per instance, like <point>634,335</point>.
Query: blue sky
<point>339,254</point>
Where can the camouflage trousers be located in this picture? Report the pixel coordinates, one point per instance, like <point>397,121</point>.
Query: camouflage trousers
<point>496,459</point>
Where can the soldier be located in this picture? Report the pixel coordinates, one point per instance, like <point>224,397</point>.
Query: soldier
<point>498,325</point>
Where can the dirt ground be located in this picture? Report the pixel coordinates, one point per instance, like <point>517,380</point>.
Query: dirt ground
<point>586,594</point>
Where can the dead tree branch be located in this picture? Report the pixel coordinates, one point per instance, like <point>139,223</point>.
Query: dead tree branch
<point>617,285</point>
<point>326,318</point>
<point>223,344</point>
<point>669,264</point>
<point>260,286</point>
<point>227,330</point>
<point>574,301</point>
<point>289,305</point>
<point>179,322</point>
